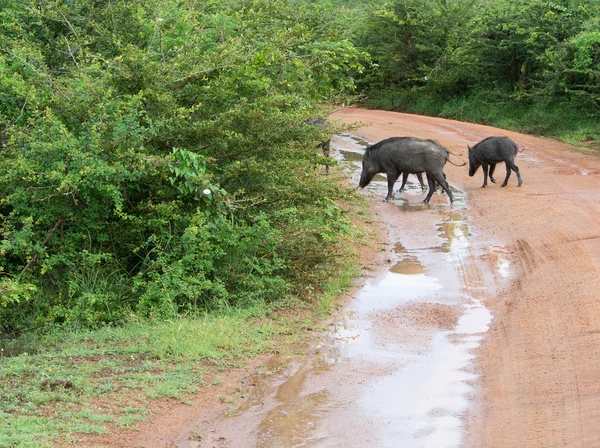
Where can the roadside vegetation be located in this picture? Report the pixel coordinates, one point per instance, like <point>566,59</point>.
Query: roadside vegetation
<point>155,159</point>
<point>528,65</point>
<point>163,203</point>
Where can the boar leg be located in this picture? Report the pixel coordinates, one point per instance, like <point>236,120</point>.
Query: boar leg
<point>516,170</point>
<point>442,188</point>
<point>392,177</point>
<point>326,146</point>
<point>432,187</point>
<point>404,177</point>
<point>510,165</point>
<point>441,179</point>
<point>508,170</point>
<point>485,174</point>
<point>435,179</point>
<point>492,168</point>
<point>420,177</point>
<point>434,184</point>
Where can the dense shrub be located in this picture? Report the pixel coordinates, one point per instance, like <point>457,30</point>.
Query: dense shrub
<point>521,58</point>
<point>154,156</point>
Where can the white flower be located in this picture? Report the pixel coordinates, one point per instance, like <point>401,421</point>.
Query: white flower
<point>206,191</point>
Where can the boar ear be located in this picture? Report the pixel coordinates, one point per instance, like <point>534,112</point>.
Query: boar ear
<point>469,148</point>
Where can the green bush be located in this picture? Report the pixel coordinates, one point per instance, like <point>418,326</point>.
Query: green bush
<point>154,157</point>
<point>528,65</point>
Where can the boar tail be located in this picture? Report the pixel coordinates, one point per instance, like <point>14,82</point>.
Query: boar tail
<point>456,164</point>
<point>517,147</point>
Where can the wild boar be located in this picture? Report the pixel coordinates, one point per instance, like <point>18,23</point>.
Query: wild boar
<point>325,145</point>
<point>405,177</point>
<point>406,155</point>
<point>491,151</point>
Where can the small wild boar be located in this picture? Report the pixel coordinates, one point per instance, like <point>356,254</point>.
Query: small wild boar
<point>405,177</point>
<point>326,145</point>
<point>397,155</point>
<point>491,151</point>
<point>420,179</point>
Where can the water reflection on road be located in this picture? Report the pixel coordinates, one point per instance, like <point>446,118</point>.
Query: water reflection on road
<point>397,371</point>
<point>416,326</point>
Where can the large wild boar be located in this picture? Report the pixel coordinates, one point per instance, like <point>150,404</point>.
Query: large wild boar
<point>491,151</point>
<point>397,155</point>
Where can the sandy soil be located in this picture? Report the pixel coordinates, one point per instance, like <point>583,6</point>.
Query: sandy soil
<point>531,255</point>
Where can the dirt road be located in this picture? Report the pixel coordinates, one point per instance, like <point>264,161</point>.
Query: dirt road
<point>481,327</point>
<point>540,361</point>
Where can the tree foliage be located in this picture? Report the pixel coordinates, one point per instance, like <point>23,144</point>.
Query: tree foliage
<point>536,49</point>
<point>154,156</point>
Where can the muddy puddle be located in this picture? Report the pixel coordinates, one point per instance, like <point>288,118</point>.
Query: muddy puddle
<point>397,367</point>
<point>421,323</point>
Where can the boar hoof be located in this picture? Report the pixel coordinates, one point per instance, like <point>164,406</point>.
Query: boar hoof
<point>483,186</point>
<point>492,179</point>
<point>503,185</point>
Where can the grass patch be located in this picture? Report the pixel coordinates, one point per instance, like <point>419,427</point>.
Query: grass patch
<point>49,393</point>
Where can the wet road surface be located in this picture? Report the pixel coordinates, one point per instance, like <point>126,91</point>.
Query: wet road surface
<point>396,367</point>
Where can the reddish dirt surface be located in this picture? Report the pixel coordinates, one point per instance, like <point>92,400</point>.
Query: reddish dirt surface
<point>534,381</point>
<point>540,362</point>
